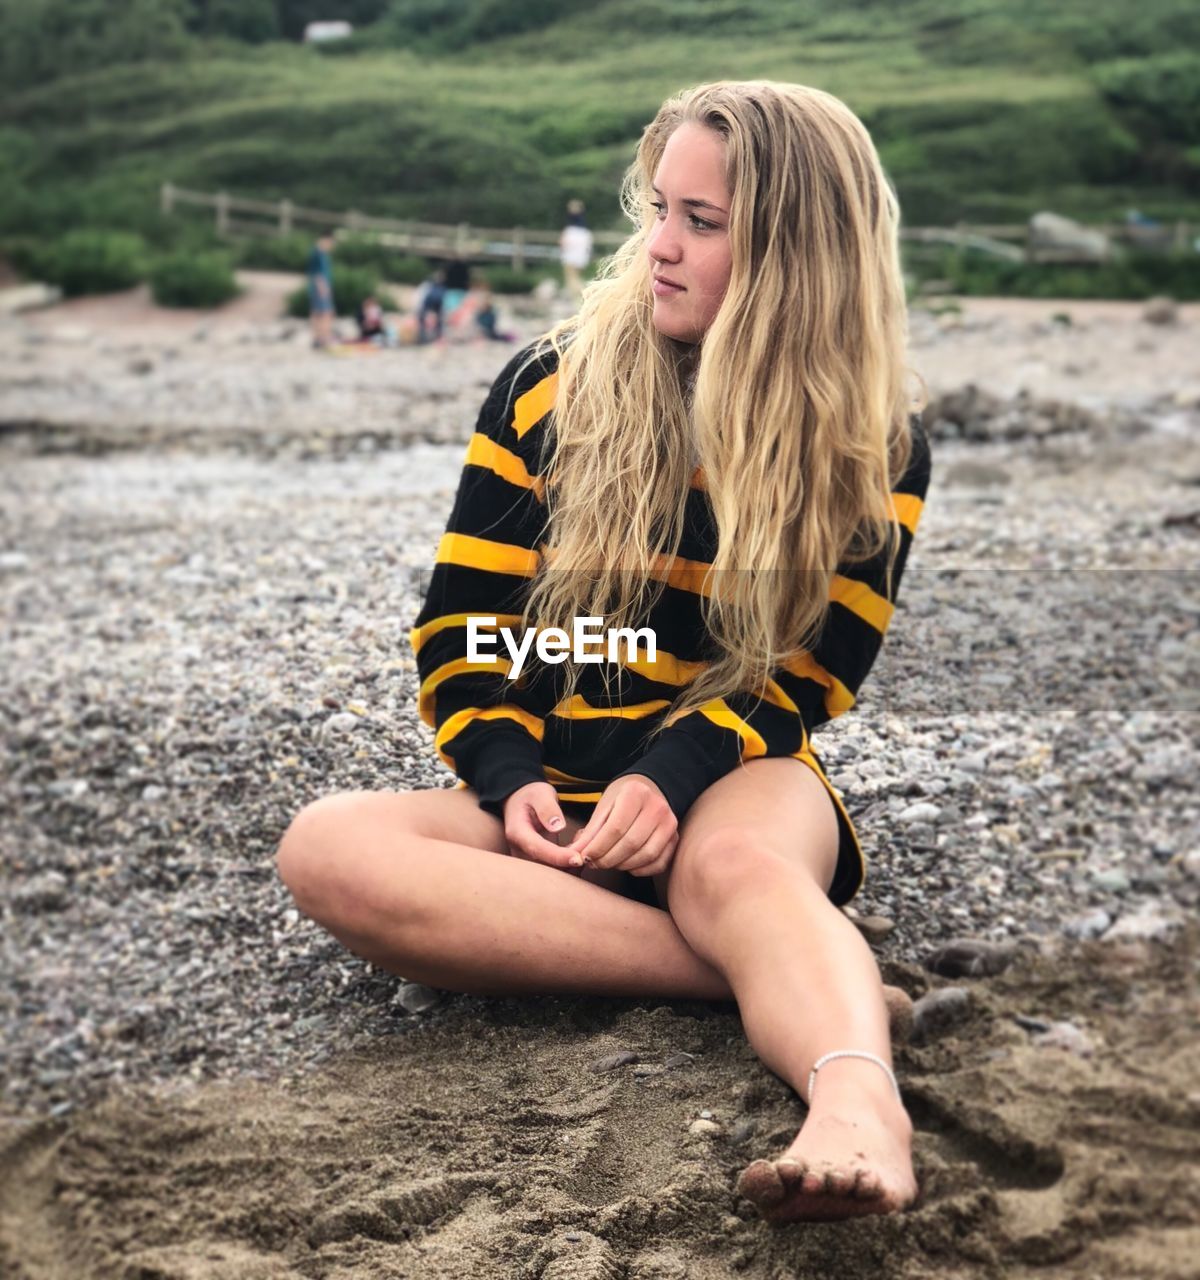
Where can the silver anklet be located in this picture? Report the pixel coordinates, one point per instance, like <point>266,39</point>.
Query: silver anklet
<point>850,1053</point>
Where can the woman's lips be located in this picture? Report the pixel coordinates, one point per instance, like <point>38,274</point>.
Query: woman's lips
<point>664,290</point>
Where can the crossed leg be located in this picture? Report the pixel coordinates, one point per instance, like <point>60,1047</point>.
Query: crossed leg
<point>411,882</point>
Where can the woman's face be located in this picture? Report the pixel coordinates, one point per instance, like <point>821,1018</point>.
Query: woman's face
<point>689,246</point>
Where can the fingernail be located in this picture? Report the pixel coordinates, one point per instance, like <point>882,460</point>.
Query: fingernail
<point>555,823</point>
<point>577,861</point>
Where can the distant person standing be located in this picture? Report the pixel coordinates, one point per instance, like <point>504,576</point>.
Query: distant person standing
<point>320,290</point>
<point>575,246</point>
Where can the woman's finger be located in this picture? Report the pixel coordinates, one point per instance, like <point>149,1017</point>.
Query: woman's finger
<point>630,844</point>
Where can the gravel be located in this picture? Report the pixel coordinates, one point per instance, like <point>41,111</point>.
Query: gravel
<point>206,607</point>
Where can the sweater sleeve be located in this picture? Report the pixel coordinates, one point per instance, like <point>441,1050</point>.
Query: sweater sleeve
<point>485,561</point>
<point>707,742</point>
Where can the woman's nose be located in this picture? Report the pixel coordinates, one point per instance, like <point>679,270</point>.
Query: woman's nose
<point>663,245</point>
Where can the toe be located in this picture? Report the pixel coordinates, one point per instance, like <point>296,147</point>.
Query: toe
<point>761,1183</point>
<point>867,1185</point>
<point>791,1171</point>
<point>840,1182</point>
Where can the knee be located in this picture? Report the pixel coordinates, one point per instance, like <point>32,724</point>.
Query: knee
<point>312,855</point>
<point>717,865</point>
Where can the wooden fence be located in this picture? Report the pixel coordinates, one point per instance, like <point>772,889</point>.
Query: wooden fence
<point>239,216</point>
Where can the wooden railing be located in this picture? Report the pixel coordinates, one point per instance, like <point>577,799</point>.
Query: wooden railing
<point>237,215</point>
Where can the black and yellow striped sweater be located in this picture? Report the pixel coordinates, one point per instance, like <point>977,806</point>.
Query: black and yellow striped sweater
<point>497,735</point>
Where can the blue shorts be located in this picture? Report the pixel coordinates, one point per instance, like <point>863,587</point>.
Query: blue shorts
<point>317,304</point>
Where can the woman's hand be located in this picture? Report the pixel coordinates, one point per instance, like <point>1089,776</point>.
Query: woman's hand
<point>633,828</point>
<point>528,812</point>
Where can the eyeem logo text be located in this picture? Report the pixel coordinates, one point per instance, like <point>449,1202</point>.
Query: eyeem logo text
<point>554,645</point>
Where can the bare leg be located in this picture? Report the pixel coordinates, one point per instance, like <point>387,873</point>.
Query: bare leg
<point>750,897</point>
<point>386,875</point>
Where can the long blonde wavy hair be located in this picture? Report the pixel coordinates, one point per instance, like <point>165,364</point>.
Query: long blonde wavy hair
<point>799,411</point>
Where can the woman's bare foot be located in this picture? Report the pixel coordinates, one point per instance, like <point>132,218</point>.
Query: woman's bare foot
<point>852,1157</point>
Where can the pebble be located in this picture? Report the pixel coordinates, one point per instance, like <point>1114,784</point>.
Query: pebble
<point>939,1010</point>
<point>1151,924</point>
<point>922,811</point>
<point>1066,1036</point>
<point>704,1128</point>
<point>875,928</point>
<point>611,1061</point>
<point>971,958</point>
<point>1089,925</point>
<point>414,997</point>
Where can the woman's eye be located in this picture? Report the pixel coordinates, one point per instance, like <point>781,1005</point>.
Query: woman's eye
<point>699,223</point>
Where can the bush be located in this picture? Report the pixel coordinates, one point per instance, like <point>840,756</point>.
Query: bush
<point>93,262</point>
<point>372,254</point>
<point>350,286</point>
<point>506,280</point>
<point>276,253</point>
<point>193,280</point>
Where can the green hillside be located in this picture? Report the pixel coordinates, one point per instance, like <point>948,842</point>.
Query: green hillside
<point>495,111</point>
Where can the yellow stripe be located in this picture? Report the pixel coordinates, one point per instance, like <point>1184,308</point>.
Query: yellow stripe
<point>666,669</point>
<point>533,406</point>
<point>460,719</point>
<point>837,697</point>
<point>557,775</point>
<point>419,635</point>
<point>805,754</point>
<point>580,797</point>
<point>447,671</point>
<point>722,714</point>
<point>480,553</point>
<point>578,709</point>
<point>908,508</point>
<point>489,455</point>
<point>871,607</point>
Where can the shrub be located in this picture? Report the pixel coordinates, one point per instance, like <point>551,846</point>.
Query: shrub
<point>350,286</point>
<point>93,261</point>
<point>193,280</point>
<point>506,280</point>
<point>276,253</point>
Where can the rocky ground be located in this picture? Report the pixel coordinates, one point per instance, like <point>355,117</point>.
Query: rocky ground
<point>212,546</point>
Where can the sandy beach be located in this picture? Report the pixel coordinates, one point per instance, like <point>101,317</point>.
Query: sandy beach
<point>212,543</point>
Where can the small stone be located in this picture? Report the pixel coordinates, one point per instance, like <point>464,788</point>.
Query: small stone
<point>413,997</point>
<point>922,811</point>
<point>971,958</point>
<point>1111,880</point>
<point>875,928</point>
<point>678,1060</point>
<point>939,1010</point>
<point>1089,925</point>
<point>1030,1023</point>
<point>1149,925</point>
<point>611,1061</point>
<point>1066,1036</point>
<point>703,1128</point>
<point>343,722</point>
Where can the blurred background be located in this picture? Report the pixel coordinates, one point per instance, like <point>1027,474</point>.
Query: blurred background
<point>136,137</point>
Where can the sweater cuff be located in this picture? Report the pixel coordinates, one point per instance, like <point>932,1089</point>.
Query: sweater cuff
<point>682,769</point>
<point>502,762</point>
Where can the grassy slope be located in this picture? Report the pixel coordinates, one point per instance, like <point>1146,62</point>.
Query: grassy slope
<point>989,118</point>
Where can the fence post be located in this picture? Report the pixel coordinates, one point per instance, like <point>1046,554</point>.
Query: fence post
<point>285,217</point>
<point>518,258</point>
<point>167,198</point>
<point>222,213</point>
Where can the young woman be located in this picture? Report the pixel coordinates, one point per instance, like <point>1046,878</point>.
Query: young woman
<point>720,445</point>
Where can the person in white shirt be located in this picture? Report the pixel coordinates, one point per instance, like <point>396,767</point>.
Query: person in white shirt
<point>575,245</point>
